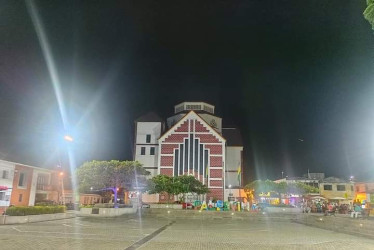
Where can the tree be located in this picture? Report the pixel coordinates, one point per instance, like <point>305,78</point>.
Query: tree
<point>301,188</point>
<point>369,12</point>
<point>176,185</point>
<point>164,184</point>
<point>110,175</point>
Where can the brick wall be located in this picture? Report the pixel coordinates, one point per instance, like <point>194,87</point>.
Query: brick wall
<point>24,191</point>
<point>183,127</point>
<point>216,183</point>
<point>178,138</point>
<point>199,127</point>
<point>168,148</point>
<point>216,173</point>
<point>214,149</point>
<point>207,138</point>
<point>167,161</point>
<point>166,171</point>
<point>216,161</point>
<point>215,193</point>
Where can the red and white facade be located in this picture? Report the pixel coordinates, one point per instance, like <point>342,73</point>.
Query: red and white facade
<point>192,147</point>
<point>190,143</point>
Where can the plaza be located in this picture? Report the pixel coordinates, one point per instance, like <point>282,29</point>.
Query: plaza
<point>153,232</point>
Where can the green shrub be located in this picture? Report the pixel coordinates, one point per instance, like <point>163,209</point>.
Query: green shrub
<point>86,206</point>
<point>34,210</point>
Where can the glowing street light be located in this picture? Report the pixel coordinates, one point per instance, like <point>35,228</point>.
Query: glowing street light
<point>61,173</point>
<point>68,138</point>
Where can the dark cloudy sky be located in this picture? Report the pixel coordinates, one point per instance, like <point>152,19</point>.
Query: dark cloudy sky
<point>279,70</point>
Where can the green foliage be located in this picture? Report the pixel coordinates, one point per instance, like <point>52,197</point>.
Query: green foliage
<point>176,185</point>
<point>105,174</point>
<point>34,210</point>
<point>86,206</point>
<point>281,188</point>
<point>260,186</point>
<point>369,12</point>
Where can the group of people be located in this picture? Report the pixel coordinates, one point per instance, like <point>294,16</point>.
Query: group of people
<point>330,208</point>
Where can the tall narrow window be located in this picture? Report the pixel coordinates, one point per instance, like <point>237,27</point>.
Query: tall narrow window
<point>142,151</point>
<point>21,181</point>
<point>5,174</point>
<point>20,197</point>
<point>205,161</point>
<point>152,152</point>
<point>201,171</point>
<point>191,151</point>
<point>181,159</point>
<point>185,156</point>
<point>148,139</point>
<point>176,162</point>
<point>196,160</point>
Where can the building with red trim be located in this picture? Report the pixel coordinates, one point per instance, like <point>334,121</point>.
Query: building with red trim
<point>191,142</point>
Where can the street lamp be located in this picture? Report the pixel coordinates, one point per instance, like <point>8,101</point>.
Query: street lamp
<point>68,138</point>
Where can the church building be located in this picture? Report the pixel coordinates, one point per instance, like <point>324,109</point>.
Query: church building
<point>191,142</point>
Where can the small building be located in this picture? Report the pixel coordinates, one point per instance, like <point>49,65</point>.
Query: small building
<point>25,185</point>
<point>364,193</point>
<point>336,189</point>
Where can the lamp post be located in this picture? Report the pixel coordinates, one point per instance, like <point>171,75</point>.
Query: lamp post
<point>61,175</point>
<point>229,192</point>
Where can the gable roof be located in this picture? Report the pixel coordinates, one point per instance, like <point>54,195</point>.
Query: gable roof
<point>233,136</point>
<point>150,117</point>
<point>184,118</point>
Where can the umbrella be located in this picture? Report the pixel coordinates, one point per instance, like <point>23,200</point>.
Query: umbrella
<point>338,198</point>
<point>318,197</point>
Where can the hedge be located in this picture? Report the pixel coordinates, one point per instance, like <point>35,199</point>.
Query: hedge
<point>23,210</point>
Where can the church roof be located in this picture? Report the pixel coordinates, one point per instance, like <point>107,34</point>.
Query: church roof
<point>150,117</point>
<point>333,180</point>
<point>233,136</point>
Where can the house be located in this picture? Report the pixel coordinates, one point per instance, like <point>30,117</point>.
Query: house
<point>25,185</point>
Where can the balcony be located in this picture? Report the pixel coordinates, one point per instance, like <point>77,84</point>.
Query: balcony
<point>43,187</point>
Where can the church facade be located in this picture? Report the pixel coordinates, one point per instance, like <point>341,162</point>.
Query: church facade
<point>191,142</point>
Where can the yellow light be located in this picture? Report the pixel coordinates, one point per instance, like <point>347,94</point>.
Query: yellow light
<point>68,138</point>
<point>61,173</point>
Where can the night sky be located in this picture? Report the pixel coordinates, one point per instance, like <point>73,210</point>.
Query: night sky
<point>296,77</point>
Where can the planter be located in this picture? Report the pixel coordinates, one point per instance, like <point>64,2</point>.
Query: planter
<point>85,210</point>
<point>170,206</point>
<point>33,218</point>
<point>283,210</point>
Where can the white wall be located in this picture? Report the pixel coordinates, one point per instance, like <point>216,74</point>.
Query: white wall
<point>142,129</point>
<point>34,183</point>
<point>8,182</point>
<point>171,121</point>
<point>233,160</point>
<point>208,119</point>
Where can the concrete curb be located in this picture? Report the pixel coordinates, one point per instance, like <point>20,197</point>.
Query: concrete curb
<point>9,220</point>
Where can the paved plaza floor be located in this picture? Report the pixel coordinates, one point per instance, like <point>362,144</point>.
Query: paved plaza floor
<point>152,233</point>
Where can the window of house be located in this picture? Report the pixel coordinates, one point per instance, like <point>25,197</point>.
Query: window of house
<point>142,150</point>
<point>327,187</point>
<point>351,188</point>
<point>22,180</point>
<point>5,174</point>
<point>20,197</point>
<point>152,151</point>
<point>148,139</point>
<point>2,196</point>
<point>340,187</point>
